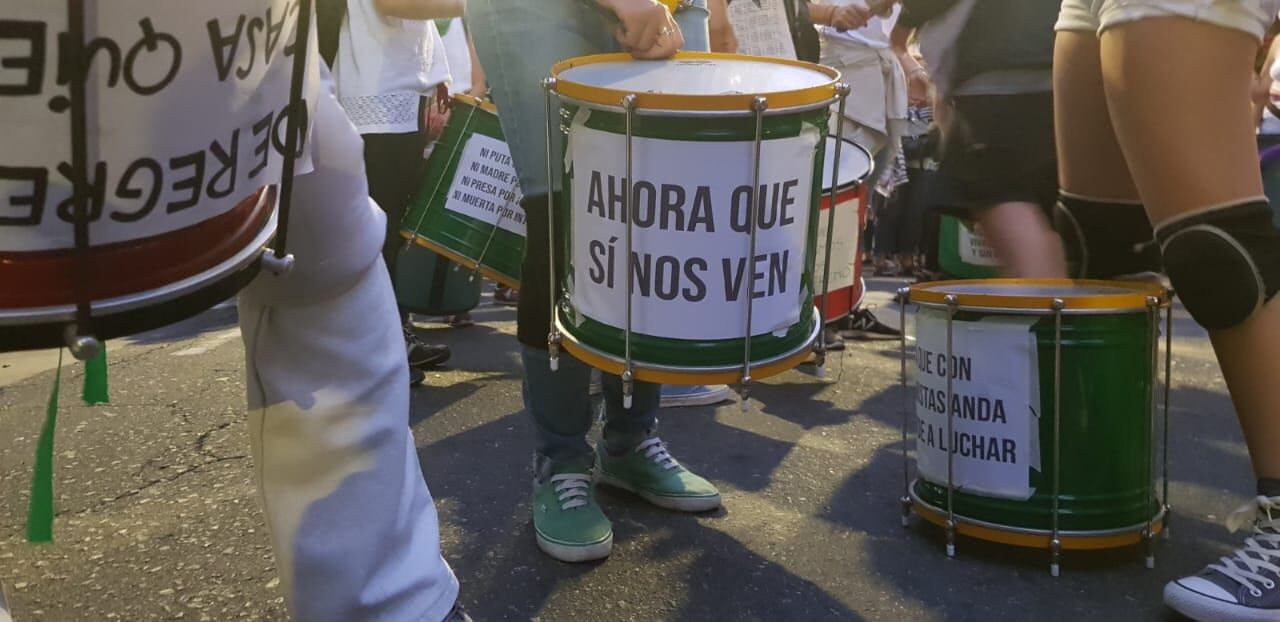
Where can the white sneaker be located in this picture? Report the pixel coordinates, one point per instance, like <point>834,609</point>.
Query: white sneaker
<point>675,395</point>
<point>1240,588</point>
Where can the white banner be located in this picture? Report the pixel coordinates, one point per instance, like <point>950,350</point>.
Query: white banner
<point>844,246</point>
<point>973,246</point>
<point>186,108</point>
<point>690,237</point>
<point>486,187</point>
<point>995,404</point>
<point>762,30</point>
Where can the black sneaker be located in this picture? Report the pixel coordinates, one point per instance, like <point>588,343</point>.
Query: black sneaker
<point>423,355</point>
<point>863,325</point>
<point>1241,587</point>
<point>832,340</point>
<point>416,377</point>
<point>457,614</point>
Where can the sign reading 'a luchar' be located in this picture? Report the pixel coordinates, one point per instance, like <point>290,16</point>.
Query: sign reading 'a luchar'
<point>994,404</point>
<point>690,233</point>
<point>186,105</point>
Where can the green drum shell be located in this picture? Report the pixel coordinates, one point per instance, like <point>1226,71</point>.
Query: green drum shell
<point>462,238</point>
<point>684,353</point>
<point>1106,471</point>
<point>429,284</point>
<point>949,258</point>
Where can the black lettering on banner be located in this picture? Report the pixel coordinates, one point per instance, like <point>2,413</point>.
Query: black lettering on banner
<point>150,42</point>
<point>475,166</point>
<point>258,25</point>
<point>262,132</point>
<point>733,278</point>
<point>274,30</point>
<point>484,153</point>
<point>289,9</point>
<point>34,200</point>
<point>701,214</point>
<point>228,163</point>
<point>193,183</point>
<point>691,275</point>
<point>672,201</point>
<point>97,187</point>
<point>596,272</point>
<point>643,207</point>
<point>642,273</point>
<point>126,190</point>
<point>667,277</point>
<point>32,64</point>
<point>224,47</point>
<point>281,127</point>
<point>93,49</point>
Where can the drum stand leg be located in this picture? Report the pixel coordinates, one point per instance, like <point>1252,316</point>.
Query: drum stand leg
<point>1055,545</point>
<point>1168,382</point>
<point>906,407</point>
<point>553,336</point>
<point>952,303</point>
<point>758,105</point>
<point>1148,534</point>
<point>820,346</point>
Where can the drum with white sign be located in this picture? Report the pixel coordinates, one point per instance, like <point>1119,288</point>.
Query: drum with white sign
<point>1050,438</point>
<point>170,121</point>
<point>843,285</point>
<point>469,208</point>
<point>711,278</point>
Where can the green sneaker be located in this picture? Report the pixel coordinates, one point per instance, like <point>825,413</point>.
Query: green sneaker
<point>651,472</point>
<point>567,520</point>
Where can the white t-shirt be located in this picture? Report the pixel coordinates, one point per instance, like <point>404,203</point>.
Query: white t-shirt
<point>874,35</point>
<point>384,67</point>
<point>459,54</point>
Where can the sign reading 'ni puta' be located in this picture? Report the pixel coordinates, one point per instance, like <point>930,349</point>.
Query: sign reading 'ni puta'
<point>690,233</point>
<point>486,187</point>
<point>186,109</point>
<point>994,404</point>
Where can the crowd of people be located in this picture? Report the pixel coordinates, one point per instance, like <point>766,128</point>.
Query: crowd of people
<point>1047,124</point>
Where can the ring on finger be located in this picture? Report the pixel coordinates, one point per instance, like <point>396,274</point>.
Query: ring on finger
<point>667,31</point>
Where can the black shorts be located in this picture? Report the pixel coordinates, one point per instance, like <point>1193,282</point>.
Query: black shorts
<point>1000,149</point>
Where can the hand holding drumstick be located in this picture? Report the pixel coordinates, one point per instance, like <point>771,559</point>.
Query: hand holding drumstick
<point>645,27</point>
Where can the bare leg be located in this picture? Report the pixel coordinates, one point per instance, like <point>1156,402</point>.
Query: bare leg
<point>1023,240</point>
<point>1195,154</point>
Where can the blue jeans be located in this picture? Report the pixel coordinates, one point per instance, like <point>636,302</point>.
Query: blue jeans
<point>518,41</point>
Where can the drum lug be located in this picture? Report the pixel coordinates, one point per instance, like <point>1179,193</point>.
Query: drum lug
<point>906,510</point>
<point>628,388</point>
<point>1149,541</point>
<point>1055,556</point>
<point>82,347</point>
<point>553,350</point>
<point>951,538</point>
<point>278,266</point>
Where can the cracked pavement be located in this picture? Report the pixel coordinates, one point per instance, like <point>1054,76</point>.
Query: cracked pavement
<point>158,518</point>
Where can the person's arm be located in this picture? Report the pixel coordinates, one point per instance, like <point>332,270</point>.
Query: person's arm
<point>479,87</point>
<point>918,83</point>
<point>421,9</point>
<point>723,38</point>
<point>841,17</point>
<point>645,27</point>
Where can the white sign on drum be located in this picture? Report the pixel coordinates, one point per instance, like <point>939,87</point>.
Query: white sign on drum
<point>186,110</point>
<point>844,246</point>
<point>690,237</point>
<point>485,186</point>
<point>973,246</point>
<point>995,403</point>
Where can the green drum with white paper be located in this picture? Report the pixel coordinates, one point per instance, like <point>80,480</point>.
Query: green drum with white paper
<point>693,275</point>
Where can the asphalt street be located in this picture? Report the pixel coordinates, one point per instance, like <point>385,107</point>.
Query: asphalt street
<point>158,518</point>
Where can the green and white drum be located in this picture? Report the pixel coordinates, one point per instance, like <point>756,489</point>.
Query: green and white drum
<point>1050,440</point>
<point>469,207</point>
<point>963,252</point>
<point>697,133</point>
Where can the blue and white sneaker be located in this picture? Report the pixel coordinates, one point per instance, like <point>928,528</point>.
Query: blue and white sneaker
<point>676,396</point>
<point>1240,588</point>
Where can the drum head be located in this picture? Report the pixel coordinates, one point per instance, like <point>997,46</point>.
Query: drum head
<point>1040,294</point>
<point>695,81</point>
<point>855,165</point>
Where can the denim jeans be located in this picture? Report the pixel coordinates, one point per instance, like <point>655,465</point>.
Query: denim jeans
<point>518,41</point>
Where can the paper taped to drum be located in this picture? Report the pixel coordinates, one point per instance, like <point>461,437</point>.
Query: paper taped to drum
<point>691,235</point>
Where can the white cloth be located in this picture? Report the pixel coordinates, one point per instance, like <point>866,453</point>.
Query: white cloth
<point>384,67</point>
<point>1250,16</point>
<point>459,55</point>
<point>875,34</point>
<point>762,30</point>
<point>352,524</point>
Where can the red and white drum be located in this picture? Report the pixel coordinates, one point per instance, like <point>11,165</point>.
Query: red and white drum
<point>844,283</point>
<point>179,127</point>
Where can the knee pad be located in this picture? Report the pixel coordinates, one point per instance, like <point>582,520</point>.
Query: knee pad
<point>1104,239</point>
<point>1224,262</point>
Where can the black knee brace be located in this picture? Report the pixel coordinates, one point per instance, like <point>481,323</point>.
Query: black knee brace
<point>1224,262</point>
<point>1103,240</point>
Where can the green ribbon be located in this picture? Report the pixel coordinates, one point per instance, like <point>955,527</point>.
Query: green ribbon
<point>442,25</point>
<point>40,512</point>
<point>95,379</point>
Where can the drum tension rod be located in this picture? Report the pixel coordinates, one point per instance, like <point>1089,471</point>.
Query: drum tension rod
<point>903,296</point>
<point>628,370</point>
<point>758,105</point>
<point>952,303</point>
<point>1055,545</point>
<point>820,346</point>
<point>553,335</point>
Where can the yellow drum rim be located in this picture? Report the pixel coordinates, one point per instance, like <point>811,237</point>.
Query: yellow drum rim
<point>1134,297</point>
<point>643,374</point>
<point>465,262</point>
<point>472,100</point>
<point>735,102</point>
<point>1037,541</point>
